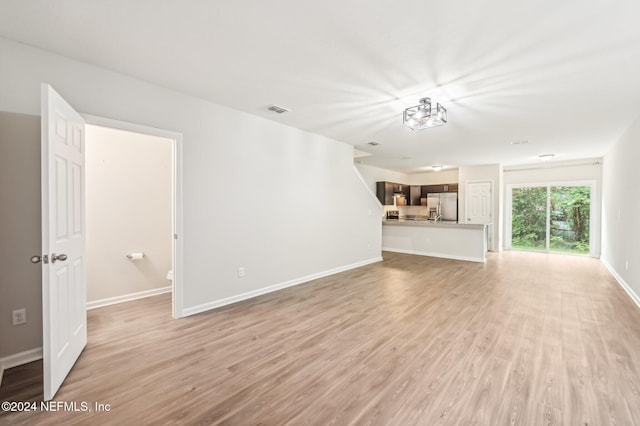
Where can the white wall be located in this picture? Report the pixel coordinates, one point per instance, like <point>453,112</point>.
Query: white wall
<point>129,209</point>
<point>620,207</point>
<point>434,178</point>
<point>573,171</point>
<point>493,173</point>
<point>371,175</point>
<point>283,203</point>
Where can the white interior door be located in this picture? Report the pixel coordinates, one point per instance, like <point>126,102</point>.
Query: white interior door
<point>63,239</point>
<point>478,209</point>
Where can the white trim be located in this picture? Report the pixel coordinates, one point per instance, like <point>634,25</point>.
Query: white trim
<point>440,255</point>
<point>508,217</point>
<point>554,165</point>
<point>177,209</point>
<point>127,297</point>
<point>131,127</point>
<point>20,358</point>
<point>177,246</point>
<point>626,287</point>
<point>251,294</point>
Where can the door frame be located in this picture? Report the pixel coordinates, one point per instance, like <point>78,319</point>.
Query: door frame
<point>592,211</point>
<point>177,245</point>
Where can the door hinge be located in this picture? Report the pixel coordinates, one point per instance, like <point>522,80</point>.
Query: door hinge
<point>175,236</point>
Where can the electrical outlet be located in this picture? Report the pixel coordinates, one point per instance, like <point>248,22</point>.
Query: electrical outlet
<point>241,272</point>
<point>19,316</point>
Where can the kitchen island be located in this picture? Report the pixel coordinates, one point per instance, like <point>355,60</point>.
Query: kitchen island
<point>451,240</point>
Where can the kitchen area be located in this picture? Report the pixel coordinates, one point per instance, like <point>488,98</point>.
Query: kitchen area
<point>424,220</point>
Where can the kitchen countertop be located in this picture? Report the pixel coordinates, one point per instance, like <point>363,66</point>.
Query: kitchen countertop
<point>425,222</point>
<point>450,240</point>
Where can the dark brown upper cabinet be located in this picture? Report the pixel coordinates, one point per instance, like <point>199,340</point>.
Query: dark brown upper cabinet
<point>386,191</point>
<point>430,189</point>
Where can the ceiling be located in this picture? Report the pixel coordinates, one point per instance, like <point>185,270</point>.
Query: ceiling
<point>562,75</point>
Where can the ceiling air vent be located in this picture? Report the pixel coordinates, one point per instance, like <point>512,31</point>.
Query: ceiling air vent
<point>373,143</point>
<point>277,109</point>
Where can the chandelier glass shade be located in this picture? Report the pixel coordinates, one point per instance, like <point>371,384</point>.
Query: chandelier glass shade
<point>424,115</point>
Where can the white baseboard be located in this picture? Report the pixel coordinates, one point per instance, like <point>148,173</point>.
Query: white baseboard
<point>20,358</point>
<point>444,256</point>
<point>127,297</point>
<point>626,287</point>
<point>248,295</point>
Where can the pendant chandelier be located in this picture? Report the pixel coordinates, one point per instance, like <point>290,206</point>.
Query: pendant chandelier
<point>424,115</point>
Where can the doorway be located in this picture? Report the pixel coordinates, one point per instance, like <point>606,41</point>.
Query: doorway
<point>128,178</point>
<point>132,213</point>
<point>63,194</point>
<point>552,218</point>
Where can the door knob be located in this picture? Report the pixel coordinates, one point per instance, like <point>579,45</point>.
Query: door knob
<point>37,259</point>
<point>60,257</point>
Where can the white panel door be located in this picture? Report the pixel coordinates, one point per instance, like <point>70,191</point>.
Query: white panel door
<point>63,239</point>
<point>478,202</point>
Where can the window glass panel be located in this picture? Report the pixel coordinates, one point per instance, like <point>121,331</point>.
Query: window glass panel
<point>569,219</point>
<point>528,218</point>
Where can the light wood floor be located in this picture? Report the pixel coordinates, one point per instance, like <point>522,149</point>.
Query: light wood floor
<point>525,339</point>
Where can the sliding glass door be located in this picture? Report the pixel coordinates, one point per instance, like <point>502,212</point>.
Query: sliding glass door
<point>550,218</point>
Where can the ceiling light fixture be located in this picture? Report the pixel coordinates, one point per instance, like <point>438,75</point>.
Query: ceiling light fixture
<point>424,115</point>
<point>436,167</point>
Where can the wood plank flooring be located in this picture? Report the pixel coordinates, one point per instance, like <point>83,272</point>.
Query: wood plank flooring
<point>22,383</point>
<point>525,339</point>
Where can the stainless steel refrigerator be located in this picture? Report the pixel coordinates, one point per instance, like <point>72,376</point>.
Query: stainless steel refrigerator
<point>443,204</point>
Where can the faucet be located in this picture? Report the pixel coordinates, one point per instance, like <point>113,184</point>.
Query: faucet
<point>438,217</point>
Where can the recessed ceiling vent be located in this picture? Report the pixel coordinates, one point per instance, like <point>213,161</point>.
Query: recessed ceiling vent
<point>373,143</point>
<point>277,109</point>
